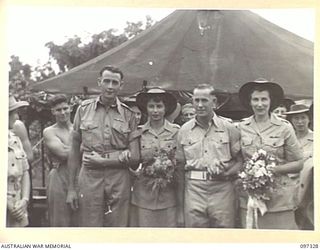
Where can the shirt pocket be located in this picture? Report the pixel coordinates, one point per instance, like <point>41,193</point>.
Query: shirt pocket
<point>148,148</point>
<point>168,144</point>
<point>220,147</point>
<point>247,147</point>
<point>275,146</point>
<point>192,148</point>
<point>90,133</point>
<point>120,133</point>
<point>284,195</point>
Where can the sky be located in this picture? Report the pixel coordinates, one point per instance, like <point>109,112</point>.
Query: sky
<point>29,28</point>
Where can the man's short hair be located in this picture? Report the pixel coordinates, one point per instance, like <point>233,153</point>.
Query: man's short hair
<point>112,69</point>
<point>206,86</point>
<point>57,99</point>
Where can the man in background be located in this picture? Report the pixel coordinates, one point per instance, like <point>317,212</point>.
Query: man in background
<point>57,139</point>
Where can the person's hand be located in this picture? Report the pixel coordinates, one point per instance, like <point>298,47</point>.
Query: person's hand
<point>216,167</point>
<point>124,156</point>
<point>19,209</point>
<point>72,199</point>
<point>93,159</point>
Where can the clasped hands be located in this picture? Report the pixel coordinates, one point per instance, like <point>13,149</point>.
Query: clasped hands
<point>213,166</point>
<point>95,159</point>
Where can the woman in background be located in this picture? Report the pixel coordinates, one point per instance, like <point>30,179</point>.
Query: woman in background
<point>18,188</point>
<point>299,116</point>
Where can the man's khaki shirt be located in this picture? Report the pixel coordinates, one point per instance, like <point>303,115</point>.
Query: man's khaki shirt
<point>220,141</point>
<point>104,129</point>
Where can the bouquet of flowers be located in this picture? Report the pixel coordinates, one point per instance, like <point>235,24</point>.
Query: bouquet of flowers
<point>160,169</point>
<point>257,180</point>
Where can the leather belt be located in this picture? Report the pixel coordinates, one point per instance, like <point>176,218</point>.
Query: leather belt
<point>206,176</point>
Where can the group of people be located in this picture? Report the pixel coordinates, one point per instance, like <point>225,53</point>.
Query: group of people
<point>109,171</point>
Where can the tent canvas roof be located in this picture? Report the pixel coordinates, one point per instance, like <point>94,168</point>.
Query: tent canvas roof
<point>225,48</point>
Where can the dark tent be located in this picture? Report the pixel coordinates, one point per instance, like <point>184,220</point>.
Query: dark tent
<point>225,48</point>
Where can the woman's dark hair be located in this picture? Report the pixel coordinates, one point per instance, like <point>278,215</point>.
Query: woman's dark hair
<point>158,98</point>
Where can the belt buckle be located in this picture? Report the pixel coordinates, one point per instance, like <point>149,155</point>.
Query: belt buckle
<point>198,175</point>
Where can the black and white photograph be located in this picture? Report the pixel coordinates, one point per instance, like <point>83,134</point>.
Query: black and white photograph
<point>173,118</point>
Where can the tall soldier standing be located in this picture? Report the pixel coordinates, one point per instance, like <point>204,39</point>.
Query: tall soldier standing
<point>102,139</point>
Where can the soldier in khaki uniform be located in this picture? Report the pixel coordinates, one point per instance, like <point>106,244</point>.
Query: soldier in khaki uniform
<point>18,187</point>
<point>102,144</point>
<point>208,147</point>
<point>264,130</point>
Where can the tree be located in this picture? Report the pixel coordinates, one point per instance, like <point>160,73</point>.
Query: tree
<point>74,52</point>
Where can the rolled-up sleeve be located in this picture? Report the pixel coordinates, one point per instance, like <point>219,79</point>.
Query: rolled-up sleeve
<point>234,135</point>
<point>292,148</point>
<point>76,124</point>
<point>179,151</point>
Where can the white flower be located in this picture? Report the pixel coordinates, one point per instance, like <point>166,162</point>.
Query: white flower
<point>255,156</point>
<point>262,152</point>
<point>242,175</point>
<point>260,163</point>
<point>259,173</point>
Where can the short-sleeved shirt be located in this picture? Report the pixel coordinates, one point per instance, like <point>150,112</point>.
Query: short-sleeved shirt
<point>279,140</point>
<point>104,129</point>
<point>17,165</point>
<point>220,141</point>
<point>150,143</point>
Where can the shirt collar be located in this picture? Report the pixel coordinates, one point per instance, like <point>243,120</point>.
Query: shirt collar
<point>214,122</point>
<point>166,126</point>
<point>116,105</point>
<point>273,119</point>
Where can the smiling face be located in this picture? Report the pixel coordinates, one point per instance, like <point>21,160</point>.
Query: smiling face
<point>110,84</point>
<point>300,122</point>
<point>156,110</point>
<point>260,102</point>
<point>61,112</point>
<point>204,102</point>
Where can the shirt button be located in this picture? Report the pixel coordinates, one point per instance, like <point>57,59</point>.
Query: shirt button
<point>156,137</point>
<point>206,151</point>
<point>302,185</point>
<point>12,164</point>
